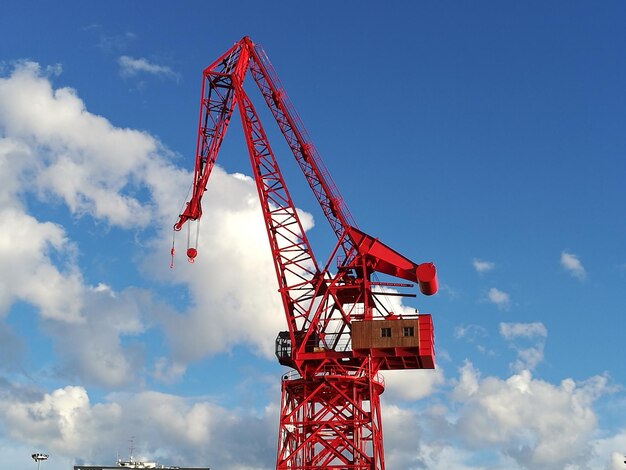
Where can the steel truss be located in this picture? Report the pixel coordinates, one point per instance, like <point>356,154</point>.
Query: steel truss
<point>330,407</point>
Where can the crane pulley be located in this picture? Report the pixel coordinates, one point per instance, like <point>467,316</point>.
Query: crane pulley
<point>340,334</point>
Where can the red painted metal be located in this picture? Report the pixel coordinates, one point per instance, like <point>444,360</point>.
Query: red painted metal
<point>330,408</point>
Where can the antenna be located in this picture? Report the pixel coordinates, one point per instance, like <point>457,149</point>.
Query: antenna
<point>132,448</point>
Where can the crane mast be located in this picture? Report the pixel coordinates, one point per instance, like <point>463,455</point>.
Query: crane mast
<point>339,333</point>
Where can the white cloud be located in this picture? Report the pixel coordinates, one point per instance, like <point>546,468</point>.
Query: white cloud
<point>93,351</point>
<point>410,385</point>
<point>15,159</point>
<point>524,330</point>
<point>74,155</point>
<point>611,448</point>
<point>528,340</point>
<point>499,298</point>
<point>482,266</point>
<point>49,137</point>
<point>538,424</point>
<point>617,461</point>
<point>572,264</point>
<point>514,424</point>
<point>403,436</point>
<point>52,148</point>
<point>232,282</point>
<point>26,246</point>
<point>528,358</point>
<point>129,67</point>
<point>170,429</point>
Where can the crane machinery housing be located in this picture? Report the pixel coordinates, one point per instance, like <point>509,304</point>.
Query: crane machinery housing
<point>339,334</point>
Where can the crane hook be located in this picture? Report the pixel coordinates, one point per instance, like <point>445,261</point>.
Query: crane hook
<point>172,251</point>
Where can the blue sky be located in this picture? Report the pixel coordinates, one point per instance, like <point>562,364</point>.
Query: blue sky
<point>487,138</point>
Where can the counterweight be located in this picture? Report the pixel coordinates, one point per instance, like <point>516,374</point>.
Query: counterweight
<point>339,333</point>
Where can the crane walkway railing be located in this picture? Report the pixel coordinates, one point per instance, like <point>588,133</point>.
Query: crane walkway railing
<point>338,371</point>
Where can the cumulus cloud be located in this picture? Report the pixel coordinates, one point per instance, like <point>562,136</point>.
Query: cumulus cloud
<point>123,177</point>
<point>75,156</point>
<point>617,461</point>
<point>27,245</point>
<point>52,148</point>
<point>612,449</point>
<point>499,298</point>
<point>172,429</point>
<point>482,266</point>
<point>515,423</point>
<point>411,385</point>
<point>93,351</point>
<point>233,282</point>
<point>572,264</point>
<point>538,424</point>
<point>528,340</point>
<point>129,67</point>
<point>402,429</point>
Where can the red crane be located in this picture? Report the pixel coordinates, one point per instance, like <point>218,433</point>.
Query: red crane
<point>340,334</point>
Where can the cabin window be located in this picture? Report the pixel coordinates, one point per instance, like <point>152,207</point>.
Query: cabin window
<point>385,332</point>
<point>408,331</point>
